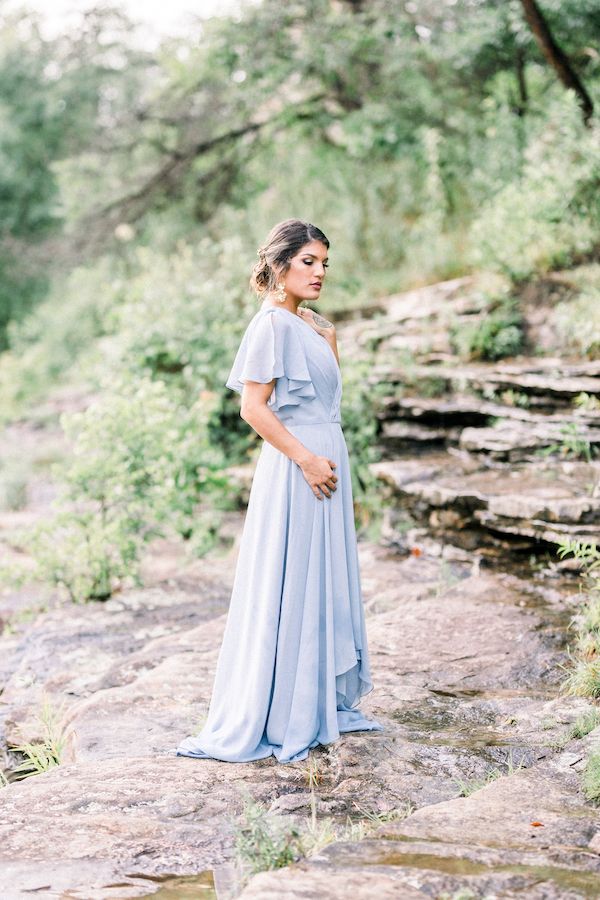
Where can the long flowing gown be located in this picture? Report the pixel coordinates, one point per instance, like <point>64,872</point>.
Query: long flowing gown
<point>294,660</point>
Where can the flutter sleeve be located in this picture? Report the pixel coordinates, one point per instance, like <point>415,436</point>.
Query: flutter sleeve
<point>271,348</point>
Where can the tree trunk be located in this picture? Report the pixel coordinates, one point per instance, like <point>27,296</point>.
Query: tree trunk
<point>522,83</point>
<point>556,57</point>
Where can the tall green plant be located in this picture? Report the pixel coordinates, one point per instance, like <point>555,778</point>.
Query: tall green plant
<point>583,679</point>
<point>360,401</point>
<point>141,467</point>
<point>549,215</point>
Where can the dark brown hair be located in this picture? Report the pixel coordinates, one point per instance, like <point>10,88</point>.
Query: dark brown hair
<point>283,242</point>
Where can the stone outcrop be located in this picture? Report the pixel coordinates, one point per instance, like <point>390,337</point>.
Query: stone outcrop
<point>526,834</point>
<point>467,667</point>
<point>503,454</point>
<point>474,504</point>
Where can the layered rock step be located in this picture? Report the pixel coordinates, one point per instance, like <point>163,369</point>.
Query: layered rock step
<point>507,433</point>
<point>417,322</point>
<point>457,497</point>
<point>508,411</point>
<point>504,454</point>
<point>553,379</point>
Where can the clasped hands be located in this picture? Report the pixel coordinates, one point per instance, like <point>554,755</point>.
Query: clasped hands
<point>318,472</point>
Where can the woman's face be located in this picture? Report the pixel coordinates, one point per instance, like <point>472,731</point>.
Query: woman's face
<point>306,273</point>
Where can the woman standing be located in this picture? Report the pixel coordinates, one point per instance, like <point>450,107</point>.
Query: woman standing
<point>294,660</point>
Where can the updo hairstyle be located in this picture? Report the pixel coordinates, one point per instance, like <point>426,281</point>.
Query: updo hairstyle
<point>283,242</point>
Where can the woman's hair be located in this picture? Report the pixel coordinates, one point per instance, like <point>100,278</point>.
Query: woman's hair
<point>283,242</point>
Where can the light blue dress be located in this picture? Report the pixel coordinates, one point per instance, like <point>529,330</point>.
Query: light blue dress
<point>294,661</point>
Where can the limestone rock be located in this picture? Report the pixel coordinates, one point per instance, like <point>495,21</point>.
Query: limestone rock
<point>543,501</point>
<point>456,658</point>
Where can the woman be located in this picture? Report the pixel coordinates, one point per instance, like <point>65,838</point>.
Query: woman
<point>294,660</point>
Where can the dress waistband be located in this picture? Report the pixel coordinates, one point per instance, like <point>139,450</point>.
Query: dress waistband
<point>310,424</point>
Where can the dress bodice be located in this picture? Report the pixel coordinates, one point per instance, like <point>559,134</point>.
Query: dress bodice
<point>279,344</point>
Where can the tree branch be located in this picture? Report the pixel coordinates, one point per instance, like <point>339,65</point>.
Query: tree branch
<point>557,57</point>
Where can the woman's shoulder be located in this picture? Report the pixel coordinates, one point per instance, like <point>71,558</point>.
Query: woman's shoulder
<point>274,314</point>
<point>269,325</point>
<point>273,310</point>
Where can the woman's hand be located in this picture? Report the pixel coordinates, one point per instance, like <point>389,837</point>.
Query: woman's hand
<point>318,472</point>
<point>322,326</point>
<point>318,322</point>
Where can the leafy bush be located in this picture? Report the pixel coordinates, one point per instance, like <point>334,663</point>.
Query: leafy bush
<point>14,477</point>
<point>183,312</point>
<point>549,215</point>
<point>577,320</point>
<point>495,334</point>
<point>141,467</point>
<point>181,323</point>
<point>48,342</point>
<point>86,553</point>
<point>360,424</point>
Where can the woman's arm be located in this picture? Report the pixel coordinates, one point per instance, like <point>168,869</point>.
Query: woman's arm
<point>317,470</point>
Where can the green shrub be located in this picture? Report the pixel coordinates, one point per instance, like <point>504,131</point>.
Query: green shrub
<point>42,755</point>
<point>574,444</point>
<point>550,214</point>
<point>181,323</point>
<point>87,553</point>
<point>55,335</point>
<point>14,478</point>
<point>141,466</point>
<point>585,723</point>
<point>360,424</point>
<point>183,313</point>
<point>577,320</point>
<point>579,324</point>
<point>495,334</point>
<point>264,840</point>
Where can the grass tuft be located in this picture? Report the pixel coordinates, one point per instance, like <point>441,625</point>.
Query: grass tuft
<point>41,756</point>
<point>591,777</point>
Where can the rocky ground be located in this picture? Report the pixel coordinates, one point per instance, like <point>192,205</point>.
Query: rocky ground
<point>473,789</point>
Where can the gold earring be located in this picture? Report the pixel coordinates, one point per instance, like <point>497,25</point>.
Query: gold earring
<point>280,294</point>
